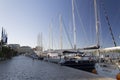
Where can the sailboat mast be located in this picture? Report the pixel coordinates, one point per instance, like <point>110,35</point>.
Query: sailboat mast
<point>49,37</point>
<point>41,42</point>
<point>38,40</point>
<point>38,44</point>
<point>60,17</point>
<point>74,24</point>
<point>96,23</point>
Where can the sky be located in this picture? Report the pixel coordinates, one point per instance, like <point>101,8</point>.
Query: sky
<point>24,20</point>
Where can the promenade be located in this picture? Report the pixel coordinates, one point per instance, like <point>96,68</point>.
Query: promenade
<point>25,68</point>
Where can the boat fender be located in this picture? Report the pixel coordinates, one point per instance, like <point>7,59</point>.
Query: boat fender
<point>94,71</point>
<point>118,76</point>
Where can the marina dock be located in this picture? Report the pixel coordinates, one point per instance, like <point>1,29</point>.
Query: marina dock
<point>25,68</point>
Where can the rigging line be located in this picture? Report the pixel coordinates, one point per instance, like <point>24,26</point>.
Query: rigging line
<point>81,21</point>
<point>100,34</point>
<point>67,35</point>
<point>90,20</point>
<point>108,22</point>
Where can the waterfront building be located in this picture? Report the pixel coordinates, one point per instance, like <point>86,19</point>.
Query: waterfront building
<point>14,46</point>
<point>26,49</point>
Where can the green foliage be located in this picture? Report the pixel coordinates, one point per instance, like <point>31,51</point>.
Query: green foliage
<point>1,54</point>
<point>7,52</point>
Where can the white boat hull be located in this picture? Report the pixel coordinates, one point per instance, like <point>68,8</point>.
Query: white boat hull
<point>107,70</point>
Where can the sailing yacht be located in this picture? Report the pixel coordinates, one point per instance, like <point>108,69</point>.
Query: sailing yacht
<point>55,56</point>
<point>79,60</point>
<point>108,64</point>
<point>75,58</point>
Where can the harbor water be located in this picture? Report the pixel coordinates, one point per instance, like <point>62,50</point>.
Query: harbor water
<point>25,68</point>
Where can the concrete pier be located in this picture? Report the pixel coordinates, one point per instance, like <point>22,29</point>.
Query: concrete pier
<point>25,68</point>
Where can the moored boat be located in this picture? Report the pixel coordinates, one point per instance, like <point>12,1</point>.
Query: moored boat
<point>78,60</point>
